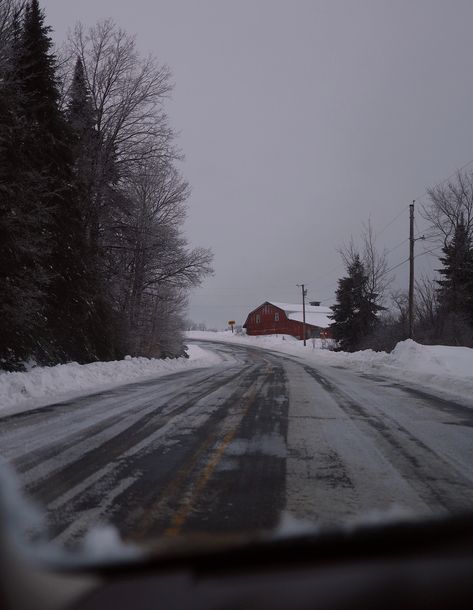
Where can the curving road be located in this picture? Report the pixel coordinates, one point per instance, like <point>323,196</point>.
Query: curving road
<point>230,448</point>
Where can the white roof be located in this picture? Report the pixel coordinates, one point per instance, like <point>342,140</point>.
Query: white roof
<point>316,315</point>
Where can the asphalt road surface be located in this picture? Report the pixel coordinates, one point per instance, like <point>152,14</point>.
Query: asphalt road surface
<point>233,447</point>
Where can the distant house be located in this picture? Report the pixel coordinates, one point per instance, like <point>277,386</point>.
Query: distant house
<point>273,318</point>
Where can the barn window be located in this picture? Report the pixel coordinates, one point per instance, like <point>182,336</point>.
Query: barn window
<point>258,319</point>
<point>276,317</point>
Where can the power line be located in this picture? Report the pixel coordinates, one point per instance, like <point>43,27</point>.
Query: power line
<point>380,277</point>
<point>422,196</point>
<point>395,267</point>
<point>426,252</point>
<point>398,246</point>
<point>327,286</point>
<point>432,236</point>
<point>391,222</point>
<point>337,267</point>
<point>322,275</point>
<point>454,173</point>
<point>449,177</point>
<point>378,234</point>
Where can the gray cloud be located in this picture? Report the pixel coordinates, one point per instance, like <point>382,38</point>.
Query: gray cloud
<point>299,120</point>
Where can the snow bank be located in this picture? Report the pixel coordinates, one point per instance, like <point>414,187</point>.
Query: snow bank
<point>285,342</point>
<point>442,367</point>
<point>23,391</point>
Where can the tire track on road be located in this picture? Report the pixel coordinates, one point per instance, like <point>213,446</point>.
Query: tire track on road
<point>52,485</point>
<point>71,519</point>
<point>177,499</point>
<point>141,404</point>
<point>436,481</point>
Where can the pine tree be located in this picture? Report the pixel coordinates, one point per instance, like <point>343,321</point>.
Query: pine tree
<point>98,330</point>
<point>355,312</point>
<point>48,146</point>
<point>24,219</point>
<point>455,291</point>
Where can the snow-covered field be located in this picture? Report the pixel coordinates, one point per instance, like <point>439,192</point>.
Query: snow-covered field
<point>41,385</point>
<point>437,366</point>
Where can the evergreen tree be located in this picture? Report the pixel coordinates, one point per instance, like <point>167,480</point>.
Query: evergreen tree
<point>37,65</point>
<point>98,330</point>
<point>81,268</point>
<point>24,219</point>
<point>45,152</point>
<point>455,291</point>
<point>80,117</point>
<point>355,312</point>
<point>48,156</point>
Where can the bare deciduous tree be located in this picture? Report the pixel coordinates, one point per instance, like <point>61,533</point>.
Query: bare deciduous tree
<point>449,203</point>
<point>127,91</point>
<point>154,257</point>
<point>426,302</point>
<point>138,197</point>
<point>400,300</point>
<point>375,263</point>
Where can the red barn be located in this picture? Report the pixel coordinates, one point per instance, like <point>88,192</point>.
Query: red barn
<point>272,318</point>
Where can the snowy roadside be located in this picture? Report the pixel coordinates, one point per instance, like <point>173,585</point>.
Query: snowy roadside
<point>440,367</point>
<point>21,392</point>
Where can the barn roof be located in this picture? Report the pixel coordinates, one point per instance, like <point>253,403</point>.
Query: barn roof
<point>315,315</point>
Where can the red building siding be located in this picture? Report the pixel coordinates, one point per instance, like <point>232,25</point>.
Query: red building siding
<point>270,320</point>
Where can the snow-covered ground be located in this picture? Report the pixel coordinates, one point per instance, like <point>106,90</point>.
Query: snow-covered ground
<point>437,366</point>
<point>335,446</point>
<point>42,385</point>
<point>441,367</point>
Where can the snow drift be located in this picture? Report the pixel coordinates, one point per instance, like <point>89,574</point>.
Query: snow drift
<point>442,367</point>
<point>23,391</point>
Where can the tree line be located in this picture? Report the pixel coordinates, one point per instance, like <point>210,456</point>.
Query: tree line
<point>366,315</point>
<point>93,261</point>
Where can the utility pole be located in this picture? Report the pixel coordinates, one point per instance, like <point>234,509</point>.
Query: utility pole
<point>304,292</point>
<point>411,270</point>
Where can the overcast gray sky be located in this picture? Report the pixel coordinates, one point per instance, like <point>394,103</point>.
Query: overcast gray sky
<point>300,120</point>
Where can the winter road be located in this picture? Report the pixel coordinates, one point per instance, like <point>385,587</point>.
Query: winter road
<point>230,448</point>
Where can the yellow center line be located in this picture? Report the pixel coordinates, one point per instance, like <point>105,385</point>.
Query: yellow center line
<point>171,490</point>
<point>183,513</point>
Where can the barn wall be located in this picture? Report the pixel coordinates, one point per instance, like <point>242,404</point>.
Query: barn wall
<point>268,325</point>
